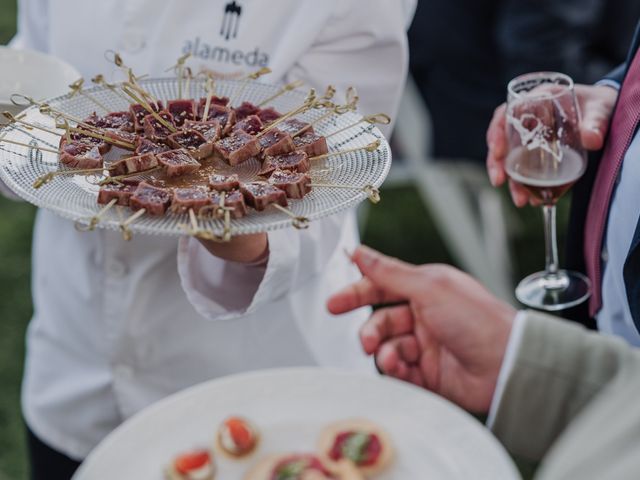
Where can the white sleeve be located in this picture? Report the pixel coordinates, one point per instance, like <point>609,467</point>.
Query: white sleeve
<point>515,338</point>
<point>364,45</point>
<point>32,34</point>
<point>33,26</point>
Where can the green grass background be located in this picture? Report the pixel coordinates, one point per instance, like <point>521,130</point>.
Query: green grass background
<point>399,226</point>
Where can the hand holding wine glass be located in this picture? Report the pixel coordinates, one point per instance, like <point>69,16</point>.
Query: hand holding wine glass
<point>595,103</point>
<point>546,157</point>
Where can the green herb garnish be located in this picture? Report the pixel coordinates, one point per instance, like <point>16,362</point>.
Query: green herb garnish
<point>355,447</point>
<point>291,471</point>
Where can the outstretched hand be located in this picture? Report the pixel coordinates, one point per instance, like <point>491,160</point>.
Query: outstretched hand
<point>596,106</point>
<point>445,331</point>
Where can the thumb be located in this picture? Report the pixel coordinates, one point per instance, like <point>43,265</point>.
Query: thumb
<point>389,274</point>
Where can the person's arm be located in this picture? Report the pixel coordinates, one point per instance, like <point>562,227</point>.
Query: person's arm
<point>558,369</point>
<point>363,45</point>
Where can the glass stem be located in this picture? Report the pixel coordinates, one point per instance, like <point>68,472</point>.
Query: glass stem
<point>550,240</point>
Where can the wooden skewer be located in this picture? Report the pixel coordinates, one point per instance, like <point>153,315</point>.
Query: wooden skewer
<point>99,80</point>
<point>245,82</point>
<point>35,147</point>
<point>46,178</point>
<point>352,98</point>
<point>301,223</point>
<point>338,110</point>
<point>372,147</point>
<point>210,89</point>
<point>126,89</point>
<point>178,68</point>
<point>117,178</point>
<point>93,221</point>
<point>309,102</point>
<point>372,192</point>
<point>76,88</point>
<point>189,76</point>
<point>287,88</point>
<point>13,119</point>
<point>377,118</point>
<point>124,226</point>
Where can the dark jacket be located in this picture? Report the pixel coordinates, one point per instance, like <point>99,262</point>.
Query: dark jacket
<point>579,206</point>
<point>463,53</point>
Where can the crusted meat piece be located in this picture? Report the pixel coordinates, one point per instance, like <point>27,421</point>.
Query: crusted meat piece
<point>154,200</point>
<point>177,162</point>
<point>211,130</point>
<point>119,120</point>
<point>233,200</point>
<point>80,155</point>
<point>138,112</point>
<point>220,101</point>
<point>251,124</point>
<point>154,130</point>
<point>260,195</point>
<point>144,145</point>
<point>293,126</point>
<point>182,110</point>
<point>268,115</point>
<point>225,115</point>
<point>237,148</point>
<point>224,183</point>
<point>120,191</point>
<point>135,164</point>
<point>121,136</point>
<point>185,199</point>
<point>312,144</point>
<point>294,184</point>
<point>276,142</point>
<point>103,147</point>
<point>295,161</point>
<point>245,110</point>
<point>193,142</point>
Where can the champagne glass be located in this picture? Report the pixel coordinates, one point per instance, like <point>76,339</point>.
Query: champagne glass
<point>546,157</point>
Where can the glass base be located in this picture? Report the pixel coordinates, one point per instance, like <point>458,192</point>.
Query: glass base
<point>555,292</point>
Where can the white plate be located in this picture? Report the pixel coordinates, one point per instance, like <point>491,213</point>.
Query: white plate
<point>434,439</point>
<point>74,196</point>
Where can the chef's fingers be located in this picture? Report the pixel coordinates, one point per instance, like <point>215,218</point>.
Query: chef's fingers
<point>519,194</point>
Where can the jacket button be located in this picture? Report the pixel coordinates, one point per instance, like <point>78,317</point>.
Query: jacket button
<point>604,255</point>
<point>117,269</point>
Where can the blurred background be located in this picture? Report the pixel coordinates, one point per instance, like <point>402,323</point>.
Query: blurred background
<point>437,205</point>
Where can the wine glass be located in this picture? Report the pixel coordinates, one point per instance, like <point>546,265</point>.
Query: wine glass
<point>546,157</point>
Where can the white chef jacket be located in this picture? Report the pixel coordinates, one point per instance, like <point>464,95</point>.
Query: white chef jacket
<point>120,325</point>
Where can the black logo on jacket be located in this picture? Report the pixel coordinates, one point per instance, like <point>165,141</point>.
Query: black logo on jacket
<point>231,20</point>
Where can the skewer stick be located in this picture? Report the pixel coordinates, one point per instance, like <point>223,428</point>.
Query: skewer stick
<point>352,98</point>
<point>35,147</point>
<point>338,110</point>
<point>377,118</point>
<point>76,88</point>
<point>93,221</point>
<point>301,223</point>
<point>126,88</point>
<point>13,119</point>
<point>372,147</point>
<point>189,76</point>
<point>309,102</point>
<point>209,87</point>
<point>127,234</point>
<point>245,82</point>
<point>44,179</point>
<point>99,80</point>
<point>372,192</point>
<point>117,178</point>
<point>287,88</point>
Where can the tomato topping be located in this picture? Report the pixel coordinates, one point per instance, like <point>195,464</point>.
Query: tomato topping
<point>240,433</point>
<point>188,462</point>
<point>361,448</point>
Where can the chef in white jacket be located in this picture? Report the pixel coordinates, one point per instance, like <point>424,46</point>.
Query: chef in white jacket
<point>118,325</point>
